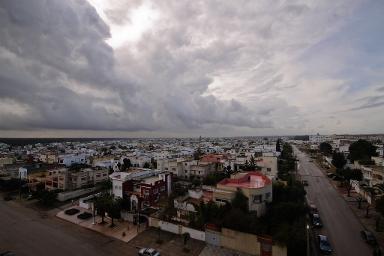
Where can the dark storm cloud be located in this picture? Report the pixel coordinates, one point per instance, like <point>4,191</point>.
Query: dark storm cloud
<point>57,72</point>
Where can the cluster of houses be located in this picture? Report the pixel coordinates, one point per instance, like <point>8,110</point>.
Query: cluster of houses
<point>70,166</point>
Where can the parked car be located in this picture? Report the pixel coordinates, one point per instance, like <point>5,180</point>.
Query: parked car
<point>324,245</point>
<point>316,221</point>
<point>312,209</point>
<point>368,237</point>
<point>148,252</point>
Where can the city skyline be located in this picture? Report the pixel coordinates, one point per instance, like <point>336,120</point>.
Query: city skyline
<point>149,69</point>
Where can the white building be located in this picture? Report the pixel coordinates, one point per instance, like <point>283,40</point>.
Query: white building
<point>68,160</point>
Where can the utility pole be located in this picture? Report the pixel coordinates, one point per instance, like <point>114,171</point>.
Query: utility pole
<point>138,216</point>
<point>19,185</point>
<point>308,252</point>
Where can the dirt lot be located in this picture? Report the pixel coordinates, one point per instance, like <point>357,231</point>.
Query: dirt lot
<point>172,244</point>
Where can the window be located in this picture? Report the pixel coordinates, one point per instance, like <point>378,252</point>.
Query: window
<point>268,169</point>
<point>268,195</point>
<point>257,199</point>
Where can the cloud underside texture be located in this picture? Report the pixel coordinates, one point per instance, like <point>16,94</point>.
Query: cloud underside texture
<point>202,65</point>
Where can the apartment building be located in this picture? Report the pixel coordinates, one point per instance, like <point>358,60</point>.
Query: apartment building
<point>6,160</point>
<point>142,186</point>
<point>65,179</point>
<point>189,168</point>
<point>268,165</point>
<point>49,158</point>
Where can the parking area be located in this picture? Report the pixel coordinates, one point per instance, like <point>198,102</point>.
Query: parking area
<point>122,230</point>
<point>172,244</point>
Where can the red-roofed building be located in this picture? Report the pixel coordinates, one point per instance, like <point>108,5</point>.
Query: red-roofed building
<point>256,186</point>
<point>214,158</point>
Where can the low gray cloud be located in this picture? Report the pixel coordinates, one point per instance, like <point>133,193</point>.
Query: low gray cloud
<point>57,72</point>
<point>200,67</point>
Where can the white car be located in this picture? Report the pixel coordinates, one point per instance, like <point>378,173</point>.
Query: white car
<point>148,252</point>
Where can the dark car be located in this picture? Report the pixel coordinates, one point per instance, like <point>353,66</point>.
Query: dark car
<point>324,245</point>
<point>148,252</point>
<point>316,221</point>
<point>368,237</point>
<point>312,209</point>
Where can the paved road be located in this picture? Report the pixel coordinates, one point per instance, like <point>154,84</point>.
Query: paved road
<point>27,232</point>
<point>340,224</point>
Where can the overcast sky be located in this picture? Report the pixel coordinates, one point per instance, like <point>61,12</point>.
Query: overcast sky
<point>116,68</point>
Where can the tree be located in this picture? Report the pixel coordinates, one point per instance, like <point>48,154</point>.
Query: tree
<point>278,148</point>
<point>361,150</point>
<point>153,163</point>
<point>47,198</point>
<point>197,154</point>
<point>126,203</point>
<point>114,210</point>
<point>126,164</point>
<point>325,148</point>
<point>287,152</point>
<point>348,175</point>
<point>380,205</point>
<point>214,177</point>
<point>240,201</point>
<point>286,163</point>
<point>105,185</point>
<point>101,205</point>
<point>338,160</point>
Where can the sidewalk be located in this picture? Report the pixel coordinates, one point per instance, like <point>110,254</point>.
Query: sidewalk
<point>124,231</point>
<point>211,250</point>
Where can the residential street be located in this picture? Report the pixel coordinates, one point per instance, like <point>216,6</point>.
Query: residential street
<point>340,224</point>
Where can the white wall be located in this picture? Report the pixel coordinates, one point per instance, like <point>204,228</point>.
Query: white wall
<point>170,227</point>
<point>195,234</point>
<point>63,196</point>
<point>117,188</point>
